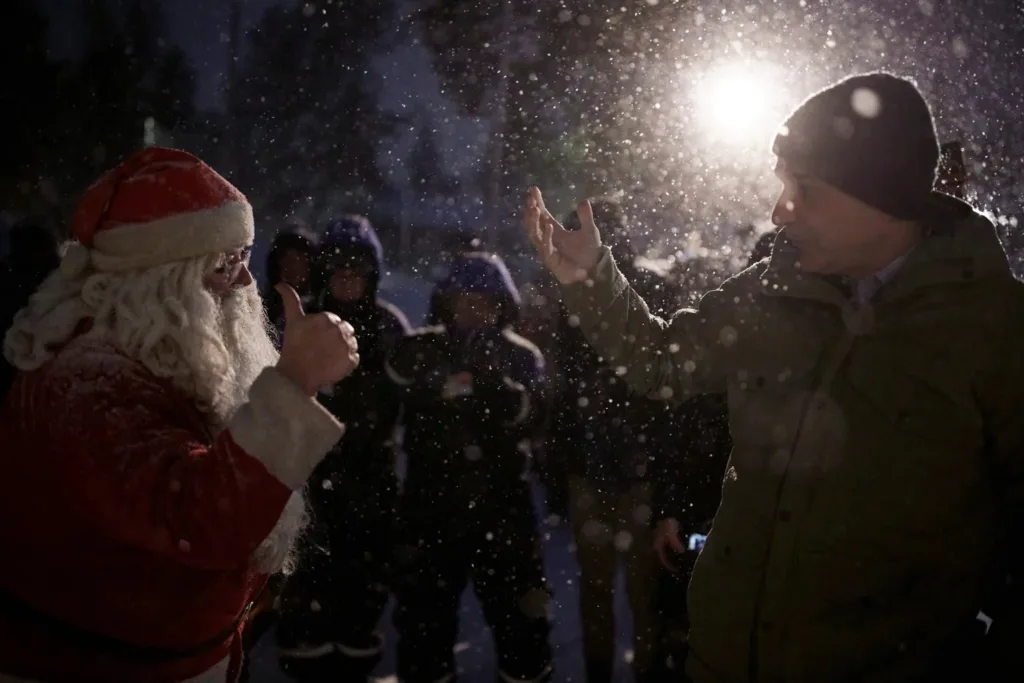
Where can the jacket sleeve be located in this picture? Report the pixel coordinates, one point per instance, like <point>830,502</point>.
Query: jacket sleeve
<point>669,360</point>
<point>143,474</point>
<point>1002,397</point>
<point>386,394</point>
<point>377,390</point>
<point>516,398</point>
<point>418,364</point>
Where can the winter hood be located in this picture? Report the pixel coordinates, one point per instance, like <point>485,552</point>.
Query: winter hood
<point>348,240</point>
<point>481,273</point>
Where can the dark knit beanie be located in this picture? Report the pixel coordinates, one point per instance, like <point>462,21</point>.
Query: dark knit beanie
<point>870,136</point>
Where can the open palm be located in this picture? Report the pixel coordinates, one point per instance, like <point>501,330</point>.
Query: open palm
<point>568,254</point>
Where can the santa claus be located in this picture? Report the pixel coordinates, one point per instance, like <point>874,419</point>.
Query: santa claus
<point>154,442</point>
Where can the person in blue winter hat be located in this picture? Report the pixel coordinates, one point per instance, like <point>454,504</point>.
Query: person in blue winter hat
<point>333,602</point>
<point>473,392</point>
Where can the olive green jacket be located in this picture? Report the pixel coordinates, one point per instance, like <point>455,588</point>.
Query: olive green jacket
<point>877,464</point>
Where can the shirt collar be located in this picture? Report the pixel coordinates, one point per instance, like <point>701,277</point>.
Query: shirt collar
<point>867,287</point>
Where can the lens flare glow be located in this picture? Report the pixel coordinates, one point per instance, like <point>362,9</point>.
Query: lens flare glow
<point>740,103</point>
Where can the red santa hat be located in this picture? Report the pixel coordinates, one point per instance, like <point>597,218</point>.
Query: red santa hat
<point>158,206</point>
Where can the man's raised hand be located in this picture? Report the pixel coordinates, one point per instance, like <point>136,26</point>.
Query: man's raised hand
<point>569,255</point>
<point>318,349</point>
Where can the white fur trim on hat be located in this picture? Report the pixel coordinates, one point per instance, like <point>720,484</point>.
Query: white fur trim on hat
<point>138,246</point>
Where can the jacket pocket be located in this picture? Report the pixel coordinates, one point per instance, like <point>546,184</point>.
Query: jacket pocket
<point>912,398</point>
<point>916,450</point>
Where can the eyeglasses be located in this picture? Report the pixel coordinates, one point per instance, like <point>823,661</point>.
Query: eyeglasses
<point>229,266</point>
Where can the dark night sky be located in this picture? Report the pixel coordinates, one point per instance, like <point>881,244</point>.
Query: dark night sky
<point>411,87</point>
<point>199,26</point>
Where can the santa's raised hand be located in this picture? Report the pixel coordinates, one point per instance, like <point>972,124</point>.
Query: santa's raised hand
<point>319,349</point>
<point>568,254</point>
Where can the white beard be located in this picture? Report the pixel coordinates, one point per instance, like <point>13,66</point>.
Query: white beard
<point>219,368</point>
<point>276,552</point>
<point>211,348</point>
<point>244,330</point>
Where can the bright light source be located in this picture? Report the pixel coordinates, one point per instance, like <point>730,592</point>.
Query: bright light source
<point>740,103</point>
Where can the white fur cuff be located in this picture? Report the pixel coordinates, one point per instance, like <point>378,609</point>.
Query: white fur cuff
<point>286,430</point>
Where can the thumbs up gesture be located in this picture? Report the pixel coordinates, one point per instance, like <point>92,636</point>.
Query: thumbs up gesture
<point>318,349</point>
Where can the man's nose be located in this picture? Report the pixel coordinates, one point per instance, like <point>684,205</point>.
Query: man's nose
<point>784,212</point>
<point>244,278</point>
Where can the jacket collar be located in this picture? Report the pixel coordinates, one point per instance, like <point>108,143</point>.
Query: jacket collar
<point>960,245</point>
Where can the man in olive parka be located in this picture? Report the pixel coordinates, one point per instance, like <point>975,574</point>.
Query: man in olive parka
<point>872,502</point>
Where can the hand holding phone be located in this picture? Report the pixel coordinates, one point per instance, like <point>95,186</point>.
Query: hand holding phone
<point>696,542</point>
<point>667,542</point>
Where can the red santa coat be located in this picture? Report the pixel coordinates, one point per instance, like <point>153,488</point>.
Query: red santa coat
<point>121,516</point>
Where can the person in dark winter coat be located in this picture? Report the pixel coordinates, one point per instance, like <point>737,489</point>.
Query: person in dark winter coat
<point>874,500</point>
<point>289,261</point>
<point>687,492</point>
<point>473,396</point>
<point>332,603</point>
<point>603,441</point>
<point>32,255</point>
